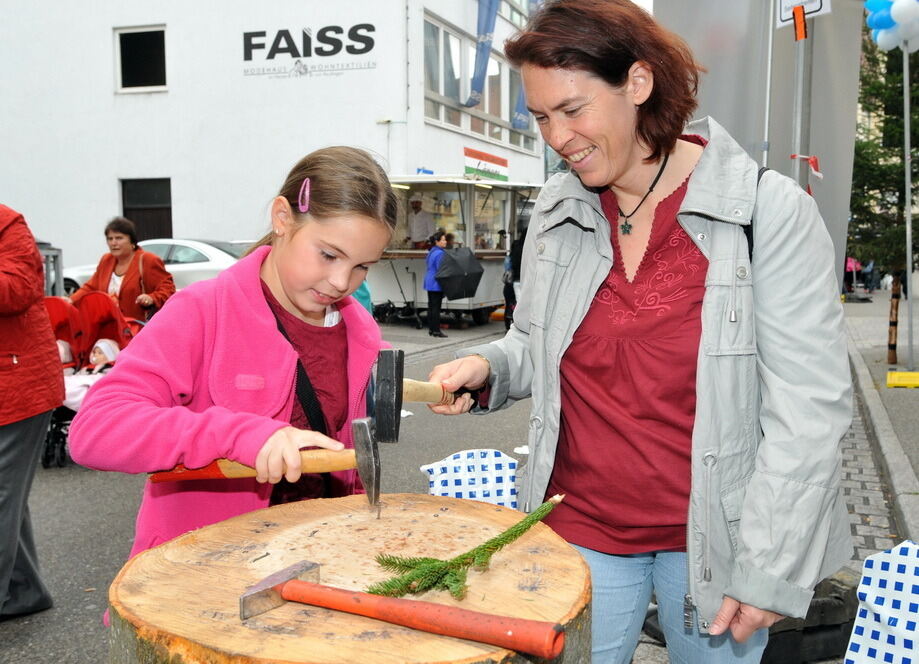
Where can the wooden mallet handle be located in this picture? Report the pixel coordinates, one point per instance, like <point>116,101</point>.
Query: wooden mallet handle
<point>313,461</point>
<point>416,391</point>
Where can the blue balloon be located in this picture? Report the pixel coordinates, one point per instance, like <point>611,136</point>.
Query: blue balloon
<point>881,20</point>
<point>874,36</point>
<point>877,5</point>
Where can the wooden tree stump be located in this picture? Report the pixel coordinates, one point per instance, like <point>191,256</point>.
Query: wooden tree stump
<point>179,602</point>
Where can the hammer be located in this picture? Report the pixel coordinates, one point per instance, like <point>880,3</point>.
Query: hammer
<point>300,583</point>
<point>365,457</point>
<point>383,427</point>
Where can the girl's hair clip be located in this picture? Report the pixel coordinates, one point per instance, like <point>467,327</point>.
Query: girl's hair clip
<point>303,200</point>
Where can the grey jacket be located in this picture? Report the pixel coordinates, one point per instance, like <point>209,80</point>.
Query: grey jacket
<point>767,519</point>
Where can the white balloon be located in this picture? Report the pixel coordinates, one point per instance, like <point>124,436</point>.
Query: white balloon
<point>888,39</point>
<point>913,46</point>
<point>904,11</point>
<point>909,31</point>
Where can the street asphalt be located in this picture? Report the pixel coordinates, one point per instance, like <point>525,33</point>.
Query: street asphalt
<point>83,519</point>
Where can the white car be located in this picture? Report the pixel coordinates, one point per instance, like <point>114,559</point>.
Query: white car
<point>187,260</point>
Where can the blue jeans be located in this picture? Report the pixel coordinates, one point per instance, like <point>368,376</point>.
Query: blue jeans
<point>622,587</point>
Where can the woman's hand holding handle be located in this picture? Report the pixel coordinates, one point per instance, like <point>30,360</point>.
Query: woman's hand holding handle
<point>470,372</point>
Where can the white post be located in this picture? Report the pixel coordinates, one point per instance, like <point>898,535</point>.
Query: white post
<point>769,49</point>
<point>801,113</point>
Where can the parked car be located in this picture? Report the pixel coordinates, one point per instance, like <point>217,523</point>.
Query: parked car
<point>188,260</point>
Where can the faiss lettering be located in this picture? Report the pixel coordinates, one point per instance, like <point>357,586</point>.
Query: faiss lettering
<point>329,40</point>
<point>249,43</point>
<point>283,43</point>
<point>325,36</point>
<point>365,41</point>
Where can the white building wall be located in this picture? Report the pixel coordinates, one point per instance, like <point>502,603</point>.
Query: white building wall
<point>225,139</point>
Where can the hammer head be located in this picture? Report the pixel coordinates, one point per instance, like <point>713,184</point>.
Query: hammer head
<point>388,397</point>
<point>367,456</point>
<point>265,595</point>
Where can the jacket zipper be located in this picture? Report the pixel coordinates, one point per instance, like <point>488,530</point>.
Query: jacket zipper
<point>708,461</point>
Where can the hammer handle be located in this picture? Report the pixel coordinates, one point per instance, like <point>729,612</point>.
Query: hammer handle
<point>312,461</point>
<point>543,639</point>
<point>416,391</point>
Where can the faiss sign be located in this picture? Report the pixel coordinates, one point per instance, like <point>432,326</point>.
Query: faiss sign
<point>327,41</point>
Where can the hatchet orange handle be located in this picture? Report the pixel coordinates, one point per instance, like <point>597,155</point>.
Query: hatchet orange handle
<point>543,639</point>
<point>312,461</point>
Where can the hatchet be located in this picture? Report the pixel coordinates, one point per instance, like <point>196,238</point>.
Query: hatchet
<point>300,583</point>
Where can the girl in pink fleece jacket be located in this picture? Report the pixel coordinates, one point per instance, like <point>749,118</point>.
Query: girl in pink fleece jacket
<point>213,374</point>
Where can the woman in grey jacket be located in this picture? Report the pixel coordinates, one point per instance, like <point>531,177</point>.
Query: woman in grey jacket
<point>689,385</point>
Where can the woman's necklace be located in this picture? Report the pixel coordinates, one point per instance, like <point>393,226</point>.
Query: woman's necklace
<point>625,226</point>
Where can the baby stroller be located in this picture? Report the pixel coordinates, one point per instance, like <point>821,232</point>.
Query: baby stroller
<point>96,316</point>
<point>68,328</point>
<point>102,319</point>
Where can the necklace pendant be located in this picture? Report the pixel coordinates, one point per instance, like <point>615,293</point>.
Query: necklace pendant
<point>625,227</point>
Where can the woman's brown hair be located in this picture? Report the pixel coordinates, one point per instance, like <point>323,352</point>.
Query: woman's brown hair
<point>343,180</point>
<point>604,38</point>
<point>123,226</point>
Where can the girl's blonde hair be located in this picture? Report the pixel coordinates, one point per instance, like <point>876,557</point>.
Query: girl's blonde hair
<point>343,180</point>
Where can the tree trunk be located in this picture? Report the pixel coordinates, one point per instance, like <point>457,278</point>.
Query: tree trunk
<point>179,602</point>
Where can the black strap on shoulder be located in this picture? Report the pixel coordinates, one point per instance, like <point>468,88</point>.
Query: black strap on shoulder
<point>306,395</point>
<point>748,229</point>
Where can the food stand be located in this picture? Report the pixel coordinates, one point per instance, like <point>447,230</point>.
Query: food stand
<point>474,212</point>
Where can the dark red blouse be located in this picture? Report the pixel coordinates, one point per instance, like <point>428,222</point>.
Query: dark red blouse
<point>324,353</point>
<point>628,392</point>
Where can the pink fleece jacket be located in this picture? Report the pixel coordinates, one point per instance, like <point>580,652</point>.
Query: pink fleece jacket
<point>209,377</point>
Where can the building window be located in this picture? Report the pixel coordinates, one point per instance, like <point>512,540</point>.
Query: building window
<point>522,138</point>
<point>431,68</point>
<point>148,203</point>
<point>141,58</point>
<point>449,60</point>
<point>514,11</point>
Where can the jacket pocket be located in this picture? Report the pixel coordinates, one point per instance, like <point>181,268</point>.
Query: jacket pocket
<point>553,257</point>
<point>727,309</point>
<point>732,506</point>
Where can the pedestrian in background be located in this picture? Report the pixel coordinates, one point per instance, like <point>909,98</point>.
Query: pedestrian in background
<point>435,292</point>
<point>31,387</point>
<point>689,403</point>
<point>136,279</point>
<point>868,276</point>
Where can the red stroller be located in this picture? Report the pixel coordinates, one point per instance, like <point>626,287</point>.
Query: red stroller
<point>96,316</point>
<point>102,319</point>
<point>67,326</point>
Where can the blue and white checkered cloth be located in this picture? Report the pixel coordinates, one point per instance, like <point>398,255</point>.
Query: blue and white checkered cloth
<point>485,475</point>
<point>886,627</point>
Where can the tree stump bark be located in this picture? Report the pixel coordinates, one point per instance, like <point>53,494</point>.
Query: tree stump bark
<point>179,602</point>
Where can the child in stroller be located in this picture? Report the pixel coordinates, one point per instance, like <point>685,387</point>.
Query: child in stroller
<point>96,317</point>
<point>76,385</point>
<point>101,359</point>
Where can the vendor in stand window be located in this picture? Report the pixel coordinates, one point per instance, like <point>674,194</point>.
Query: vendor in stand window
<point>421,224</point>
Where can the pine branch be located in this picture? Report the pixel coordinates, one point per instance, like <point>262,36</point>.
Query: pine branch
<point>420,574</point>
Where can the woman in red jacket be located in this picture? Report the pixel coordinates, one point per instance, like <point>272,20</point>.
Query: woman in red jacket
<point>31,386</point>
<point>136,279</point>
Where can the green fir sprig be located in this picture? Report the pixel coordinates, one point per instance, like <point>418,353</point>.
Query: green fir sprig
<point>417,575</point>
